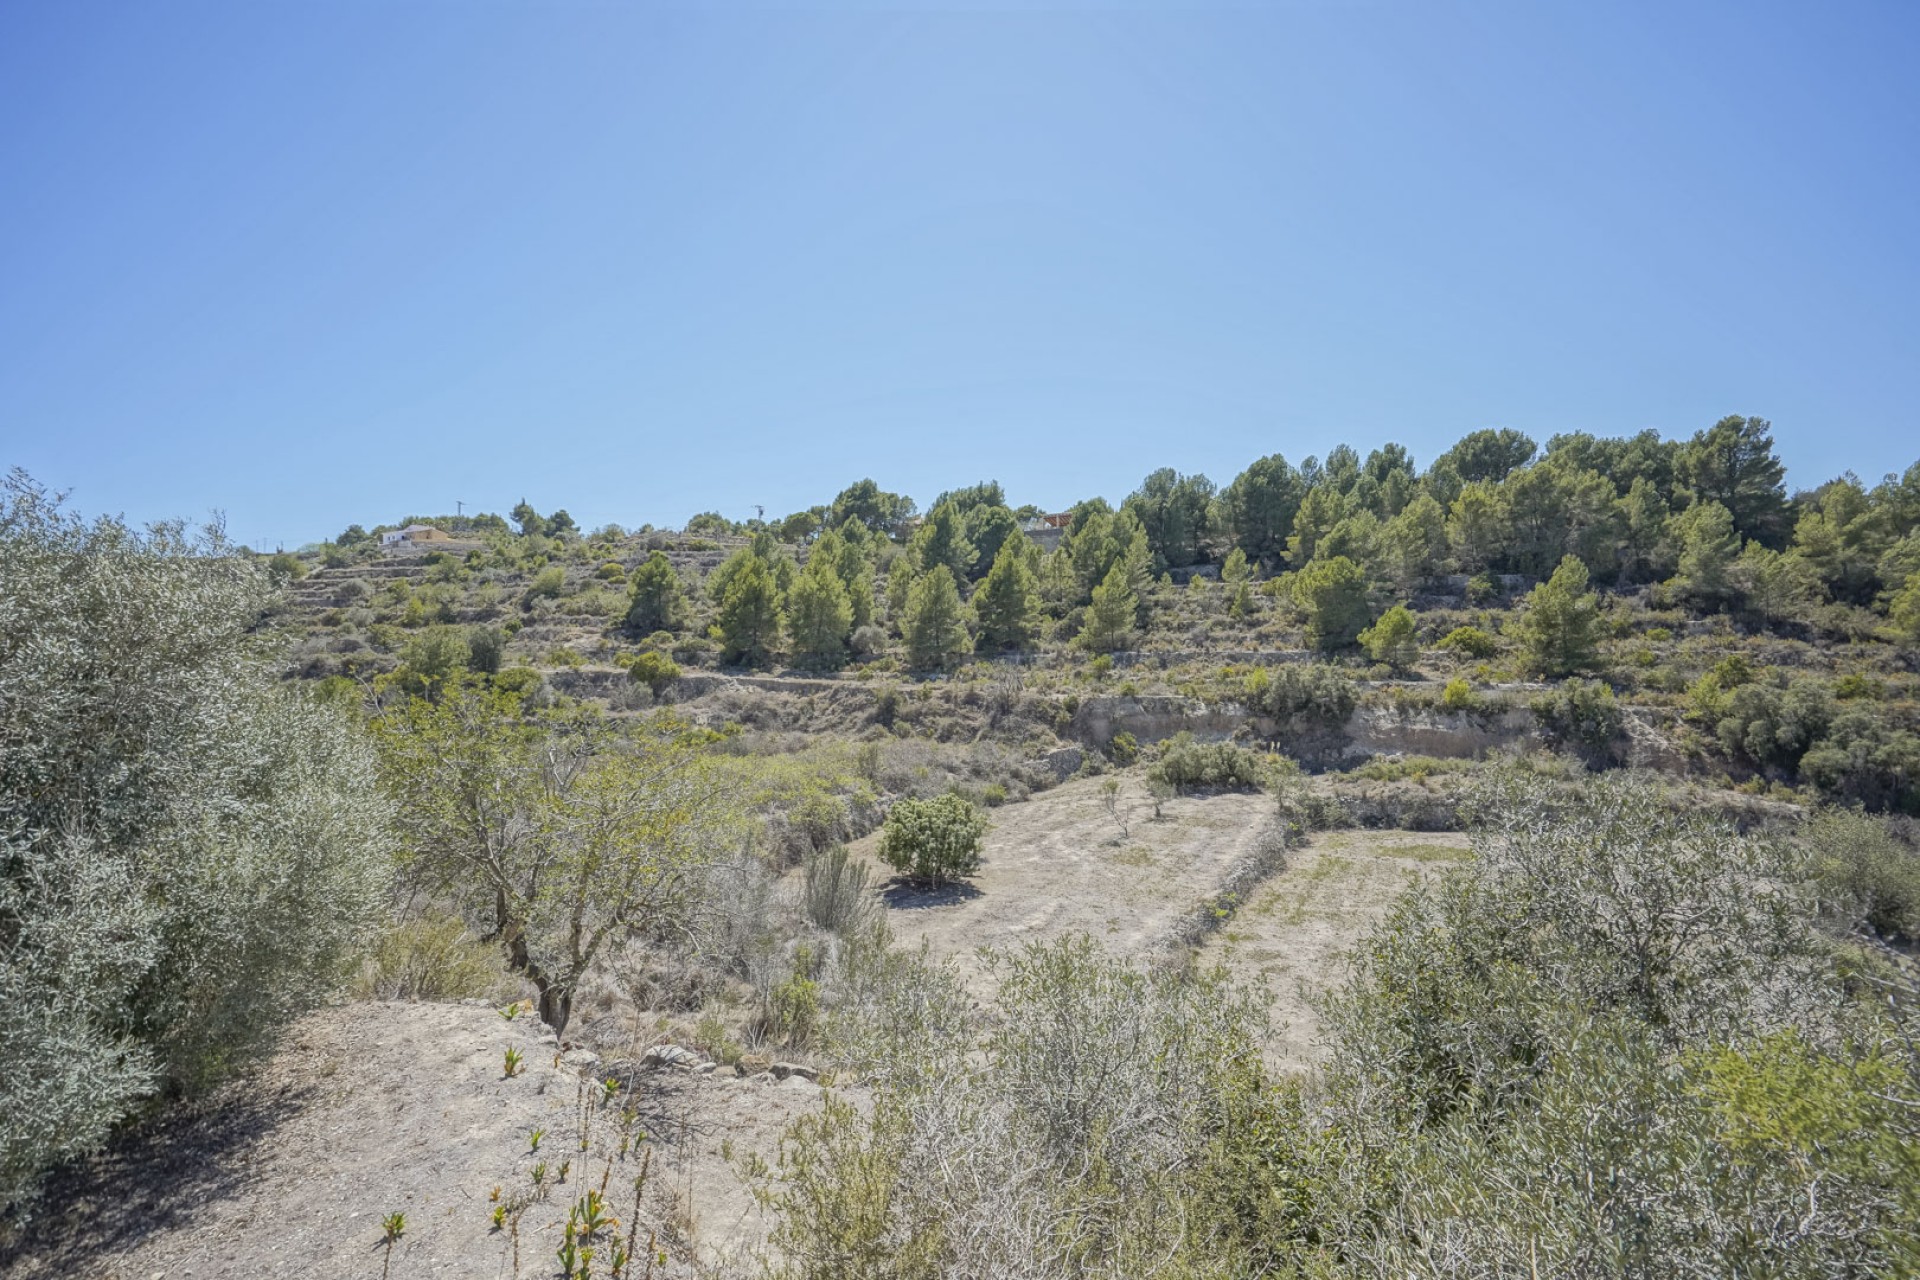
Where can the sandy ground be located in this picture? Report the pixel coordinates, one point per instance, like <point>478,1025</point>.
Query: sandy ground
<point>1293,934</point>
<point>1060,864</point>
<point>371,1109</point>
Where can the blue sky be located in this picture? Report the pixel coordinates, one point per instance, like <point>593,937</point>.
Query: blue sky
<point>345,260</point>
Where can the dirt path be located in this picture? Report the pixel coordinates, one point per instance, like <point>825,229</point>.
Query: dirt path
<point>371,1109</point>
<point>1294,933</point>
<point>1060,864</point>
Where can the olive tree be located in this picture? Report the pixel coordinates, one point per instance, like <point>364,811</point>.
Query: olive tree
<point>190,853</point>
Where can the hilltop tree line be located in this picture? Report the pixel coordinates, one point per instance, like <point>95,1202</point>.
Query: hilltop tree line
<point>1708,521</point>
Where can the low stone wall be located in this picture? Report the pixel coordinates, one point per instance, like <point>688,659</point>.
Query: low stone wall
<point>1368,731</point>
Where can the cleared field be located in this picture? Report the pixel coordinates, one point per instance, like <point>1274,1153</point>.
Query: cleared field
<point>1293,934</point>
<point>1061,863</point>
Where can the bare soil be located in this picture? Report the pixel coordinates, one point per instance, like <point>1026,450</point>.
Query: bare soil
<point>371,1109</point>
<point>1061,864</point>
<point>376,1108</point>
<point>1293,934</point>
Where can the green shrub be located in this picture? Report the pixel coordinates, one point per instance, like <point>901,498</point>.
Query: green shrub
<point>1582,714</point>
<point>835,894</point>
<point>190,851</point>
<point>432,957</point>
<point>547,584</point>
<point>1123,748</point>
<point>1187,765</point>
<point>1307,696</point>
<point>611,571</point>
<point>1868,877</point>
<point>1459,696</point>
<point>486,647</point>
<point>1867,759</point>
<point>1471,642</point>
<point>655,670</point>
<point>520,681</point>
<point>283,567</point>
<point>933,841</point>
<point>1393,639</point>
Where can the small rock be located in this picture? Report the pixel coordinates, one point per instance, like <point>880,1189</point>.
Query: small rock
<point>670,1055</point>
<point>781,1070</point>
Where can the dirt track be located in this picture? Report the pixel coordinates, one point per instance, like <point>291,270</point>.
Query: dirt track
<point>1293,935</point>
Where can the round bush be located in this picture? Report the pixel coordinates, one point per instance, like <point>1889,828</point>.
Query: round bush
<point>933,841</point>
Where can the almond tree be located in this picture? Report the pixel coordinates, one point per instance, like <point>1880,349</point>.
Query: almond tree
<point>557,837</point>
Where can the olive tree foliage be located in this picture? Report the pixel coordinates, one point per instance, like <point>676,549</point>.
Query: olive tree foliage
<point>1554,1061</point>
<point>189,853</point>
<point>556,836</point>
<point>1614,1043</point>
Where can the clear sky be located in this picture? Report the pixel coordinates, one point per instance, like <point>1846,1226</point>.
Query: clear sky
<point>345,260</point>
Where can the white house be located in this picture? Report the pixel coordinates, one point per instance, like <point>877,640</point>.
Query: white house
<point>412,533</point>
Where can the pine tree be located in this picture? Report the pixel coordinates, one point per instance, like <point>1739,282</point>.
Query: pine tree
<point>749,623</point>
<point>819,615</point>
<point>1394,639</point>
<point>659,603</point>
<point>860,598</point>
<point>1560,627</point>
<point>1238,575</point>
<point>942,541</point>
<point>933,625</point>
<point>1110,618</point>
<point>1334,595</point>
<point>1708,547</point>
<point>1008,599</point>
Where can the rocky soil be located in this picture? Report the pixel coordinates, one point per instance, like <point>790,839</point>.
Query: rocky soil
<point>373,1109</point>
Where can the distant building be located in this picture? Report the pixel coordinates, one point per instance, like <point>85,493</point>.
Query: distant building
<point>413,533</point>
<point>1048,531</point>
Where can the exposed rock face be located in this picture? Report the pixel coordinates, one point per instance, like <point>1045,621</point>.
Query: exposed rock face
<point>1379,730</point>
<point>1064,763</point>
<point>1154,718</point>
